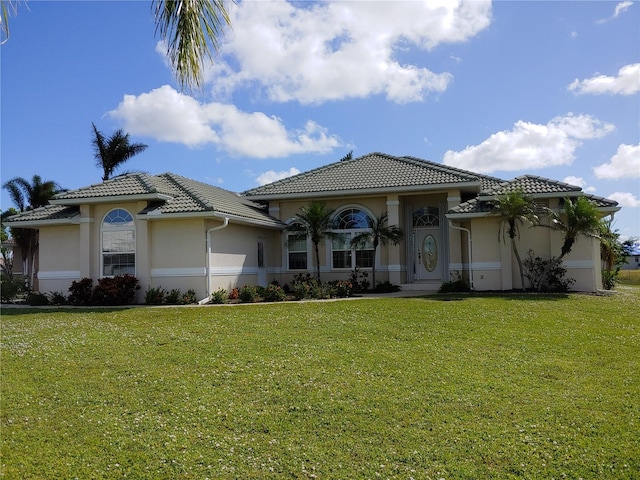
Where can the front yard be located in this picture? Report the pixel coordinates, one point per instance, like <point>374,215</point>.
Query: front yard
<point>514,386</point>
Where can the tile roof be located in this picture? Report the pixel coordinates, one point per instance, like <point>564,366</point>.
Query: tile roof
<point>375,171</point>
<point>532,186</point>
<point>177,195</point>
<point>49,212</point>
<point>124,185</point>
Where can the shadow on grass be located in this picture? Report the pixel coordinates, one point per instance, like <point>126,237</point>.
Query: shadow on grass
<point>14,310</point>
<point>456,297</point>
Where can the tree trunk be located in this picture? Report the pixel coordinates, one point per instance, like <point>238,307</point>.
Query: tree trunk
<point>315,246</point>
<point>519,261</point>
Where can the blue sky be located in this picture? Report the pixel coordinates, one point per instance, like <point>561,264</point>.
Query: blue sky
<point>509,88</point>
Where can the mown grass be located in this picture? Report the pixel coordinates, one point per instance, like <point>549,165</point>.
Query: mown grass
<point>439,387</point>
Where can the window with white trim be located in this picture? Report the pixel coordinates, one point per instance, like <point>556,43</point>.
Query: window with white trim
<point>297,251</point>
<point>118,243</point>
<point>346,225</point>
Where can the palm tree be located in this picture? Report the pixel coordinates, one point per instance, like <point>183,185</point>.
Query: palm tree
<point>188,27</point>
<point>313,221</point>
<point>28,196</point>
<point>513,209</point>
<point>379,233</point>
<point>112,152</point>
<point>581,217</point>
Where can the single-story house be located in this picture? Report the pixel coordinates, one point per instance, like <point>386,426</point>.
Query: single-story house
<point>174,232</point>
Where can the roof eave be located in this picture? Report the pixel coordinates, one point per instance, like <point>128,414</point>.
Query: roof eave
<point>43,222</point>
<point>209,214</point>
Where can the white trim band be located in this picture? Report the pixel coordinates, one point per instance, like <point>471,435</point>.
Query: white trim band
<point>58,274</point>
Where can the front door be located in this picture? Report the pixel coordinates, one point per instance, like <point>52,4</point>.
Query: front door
<point>428,253</point>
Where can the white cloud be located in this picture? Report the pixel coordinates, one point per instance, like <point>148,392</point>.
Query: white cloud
<point>626,83</point>
<point>169,116</point>
<point>620,8</point>
<point>577,181</point>
<point>272,176</point>
<point>625,199</point>
<point>530,146</point>
<point>318,52</point>
<point>624,164</point>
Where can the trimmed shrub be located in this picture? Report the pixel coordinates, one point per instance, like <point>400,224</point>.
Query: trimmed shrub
<point>359,280</point>
<point>274,293</point>
<point>341,288</point>
<point>189,297</point>
<point>219,296</point>
<point>10,288</point>
<point>37,299</point>
<point>57,298</point>
<point>81,292</point>
<point>248,294</point>
<point>174,296</point>
<point>387,287</point>
<point>118,290</point>
<point>546,275</point>
<point>154,296</point>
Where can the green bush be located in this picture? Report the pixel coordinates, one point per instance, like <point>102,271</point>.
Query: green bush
<point>37,299</point>
<point>57,298</point>
<point>189,297</point>
<point>546,275</point>
<point>359,280</point>
<point>81,292</point>
<point>219,296</point>
<point>341,288</point>
<point>118,290</point>
<point>274,293</point>
<point>154,296</point>
<point>174,296</point>
<point>388,287</point>
<point>10,288</point>
<point>248,294</point>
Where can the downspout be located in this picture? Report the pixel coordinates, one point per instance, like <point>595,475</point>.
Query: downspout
<point>457,227</point>
<point>208,239</point>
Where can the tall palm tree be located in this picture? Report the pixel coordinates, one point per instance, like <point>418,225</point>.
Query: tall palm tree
<point>112,152</point>
<point>188,27</point>
<point>379,233</point>
<point>581,217</point>
<point>313,221</point>
<point>28,196</point>
<point>513,209</point>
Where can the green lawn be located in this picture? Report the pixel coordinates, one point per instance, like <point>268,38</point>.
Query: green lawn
<point>441,387</point>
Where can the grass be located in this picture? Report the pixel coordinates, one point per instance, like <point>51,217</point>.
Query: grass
<point>474,387</point>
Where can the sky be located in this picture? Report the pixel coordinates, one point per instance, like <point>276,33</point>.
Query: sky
<point>506,88</point>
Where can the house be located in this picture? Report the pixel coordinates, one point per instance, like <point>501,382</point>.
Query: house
<point>633,258</point>
<point>173,232</point>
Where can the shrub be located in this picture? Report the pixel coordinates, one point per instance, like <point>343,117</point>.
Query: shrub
<point>57,298</point>
<point>174,296</point>
<point>10,288</point>
<point>189,297</point>
<point>234,293</point>
<point>154,296</point>
<point>219,296</point>
<point>457,284</point>
<point>359,280</point>
<point>81,292</point>
<point>37,299</point>
<point>248,294</point>
<point>303,285</point>
<point>546,275</point>
<point>610,278</point>
<point>118,290</point>
<point>341,288</point>
<point>387,287</point>
<point>274,293</point>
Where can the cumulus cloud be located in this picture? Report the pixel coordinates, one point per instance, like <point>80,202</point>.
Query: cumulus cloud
<point>272,175</point>
<point>627,82</point>
<point>169,116</point>
<point>530,146</point>
<point>318,52</point>
<point>625,199</point>
<point>624,164</point>
<point>620,8</point>
<point>577,181</point>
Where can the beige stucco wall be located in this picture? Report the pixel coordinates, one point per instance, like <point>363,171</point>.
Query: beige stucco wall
<point>59,263</point>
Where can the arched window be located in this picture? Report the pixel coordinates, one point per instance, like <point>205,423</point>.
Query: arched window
<point>346,225</point>
<point>118,243</point>
<point>426,217</point>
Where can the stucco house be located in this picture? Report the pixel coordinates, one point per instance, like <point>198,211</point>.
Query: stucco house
<point>173,232</point>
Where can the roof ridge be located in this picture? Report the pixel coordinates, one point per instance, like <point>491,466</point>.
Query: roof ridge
<point>179,181</point>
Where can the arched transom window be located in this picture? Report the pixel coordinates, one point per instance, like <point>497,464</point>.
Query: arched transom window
<point>118,243</point>
<point>426,217</point>
<point>347,224</point>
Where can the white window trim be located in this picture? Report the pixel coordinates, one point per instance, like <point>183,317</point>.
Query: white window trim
<point>352,232</point>
<point>102,252</point>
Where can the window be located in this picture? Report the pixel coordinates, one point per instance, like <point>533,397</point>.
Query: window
<point>118,243</point>
<point>426,217</point>
<point>297,247</point>
<point>346,225</point>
